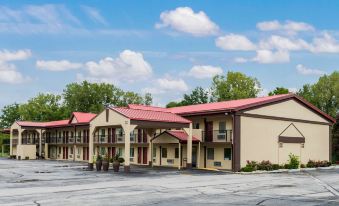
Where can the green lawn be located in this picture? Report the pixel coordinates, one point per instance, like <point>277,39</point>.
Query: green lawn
<point>5,155</point>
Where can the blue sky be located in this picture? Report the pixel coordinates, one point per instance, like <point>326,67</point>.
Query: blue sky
<point>163,47</point>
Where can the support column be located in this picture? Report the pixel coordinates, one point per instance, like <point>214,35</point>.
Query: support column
<point>91,147</point>
<point>189,147</point>
<point>236,144</point>
<point>179,156</point>
<point>18,147</point>
<point>150,149</point>
<point>40,142</point>
<point>198,156</point>
<point>127,132</point>
<point>10,143</point>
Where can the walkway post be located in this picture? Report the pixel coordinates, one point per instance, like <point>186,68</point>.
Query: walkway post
<point>127,133</point>
<point>179,156</point>
<point>198,156</point>
<point>91,147</point>
<point>189,147</point>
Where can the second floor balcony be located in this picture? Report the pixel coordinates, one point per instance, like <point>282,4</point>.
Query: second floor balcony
<point>217,136</point>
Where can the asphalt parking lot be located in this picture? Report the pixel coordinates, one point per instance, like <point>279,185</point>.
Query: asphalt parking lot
<point>66,183</point>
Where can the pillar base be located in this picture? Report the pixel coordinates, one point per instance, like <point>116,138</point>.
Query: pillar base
<point>189,166</point>
<point>90,166</point>
<point>150,163</point>
<point>127,169</point>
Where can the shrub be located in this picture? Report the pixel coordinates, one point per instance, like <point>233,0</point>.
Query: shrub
<point>247,168</point>
<point>302,166</point>
<point>293,162</point>
<point>311,164</point>
<point>275,166</point>
<point>286,166</point>
<point>265,165</point>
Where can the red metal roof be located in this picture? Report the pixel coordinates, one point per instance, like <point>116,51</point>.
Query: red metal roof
<point>82,117</point>
<point>42,124</point>
<point>225,105</point>
<point>181,135</point>
<point>149,115</point>
<point>146,107</point>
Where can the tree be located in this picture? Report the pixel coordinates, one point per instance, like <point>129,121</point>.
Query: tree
<point>148,99</point>
<point>9,114</point>
<point>173,104</point>
<point>44,107</point>
<point>278,90</point>
<point>324,94</point>
<point>198,96</point>
<point>131,98</point>
<point>235,85</point>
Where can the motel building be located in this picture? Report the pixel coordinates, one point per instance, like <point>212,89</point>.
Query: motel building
<point>221,135</point>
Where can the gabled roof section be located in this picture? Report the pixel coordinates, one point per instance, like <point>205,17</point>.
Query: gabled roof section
<point>150,115</point>
<point>181,135</point>
<point>82,117</point>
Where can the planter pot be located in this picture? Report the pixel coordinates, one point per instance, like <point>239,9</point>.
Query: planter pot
<point>98,165</point>
<point>105,165</point>
<point>116,166</point>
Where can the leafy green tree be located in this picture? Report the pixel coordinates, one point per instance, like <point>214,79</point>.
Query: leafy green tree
<point>44,107</point>
<point>131,98</point>
<point>324,94</point>
<point>235,85</point>
<point>9,114</point>
<point>197,96</point>
<point>278,90</point>
<point>148,99</point>
<point>173,104</point>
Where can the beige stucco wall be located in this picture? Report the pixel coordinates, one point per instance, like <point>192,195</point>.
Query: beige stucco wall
<point>170,155</point>
<point>26,151</point>
<point>288,109</point>
<point>259,141</point>
<point>218,157</point>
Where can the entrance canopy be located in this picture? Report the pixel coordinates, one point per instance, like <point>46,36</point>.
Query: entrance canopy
<point>173,136</point>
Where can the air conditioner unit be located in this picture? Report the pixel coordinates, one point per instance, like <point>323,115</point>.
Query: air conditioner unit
<point>120,139</point>
<point>170,161</point>
<point>131,159</point>
<point>78,156</point>
<point>221,136</point>
<point>70,156</point>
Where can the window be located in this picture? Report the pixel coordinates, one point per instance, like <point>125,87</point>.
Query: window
<point>120,152</point>
<point>59,150</point>
<point>176,153</point>
<point>79,134</point>
<point>71,150</point>
<point>227,154</point>
<point>154,152</point>
<point>102,132</point>
<point>196,125</point>
<point>102,150</point>
<point>222,127</point>
<point>79,150</point>
<point>210,153</point>
<point>131,152</point>
<point>164,152</point>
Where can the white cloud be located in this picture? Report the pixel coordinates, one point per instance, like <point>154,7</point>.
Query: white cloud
<point>9,74</point>
<point>94,14</point>
<point>184,19</point>
<point>49,18</point>
<point>166,84</point>
<point>291,27</point>
<point>234,42</point>
<point>240,60</point>
<point>326,44</point>
<point>8,71</point>
<point>204,71</point>
<point>283,43</point>
<point>6,55</point>
<point>308,71</point>
<point>269,57</point>
<point>61,65</point>
<point>129,66</point>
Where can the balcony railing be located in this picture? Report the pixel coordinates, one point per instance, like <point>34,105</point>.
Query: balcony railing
<point>69,140</point>
<point>108,139</point>
<point>30,140</point>
<point>217,136</point>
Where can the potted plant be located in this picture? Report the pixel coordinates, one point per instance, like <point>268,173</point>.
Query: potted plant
<point>117,160</point>
<point>105,163</point>
<point>98,162</point>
